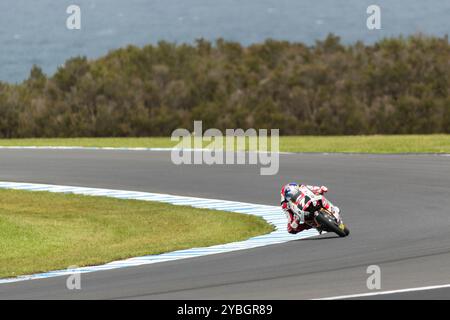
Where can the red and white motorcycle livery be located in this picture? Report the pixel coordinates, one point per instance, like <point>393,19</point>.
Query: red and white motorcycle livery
<point>322,214</point>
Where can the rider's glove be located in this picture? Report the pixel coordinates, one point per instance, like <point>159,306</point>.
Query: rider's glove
<point>323,189</point>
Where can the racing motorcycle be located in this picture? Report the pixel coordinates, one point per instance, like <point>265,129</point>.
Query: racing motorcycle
<point>321,218</point>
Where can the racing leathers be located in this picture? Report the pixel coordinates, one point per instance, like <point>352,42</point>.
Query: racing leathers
<point>295,203</point>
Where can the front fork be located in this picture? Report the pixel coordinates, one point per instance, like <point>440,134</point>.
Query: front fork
<point>332,212</point>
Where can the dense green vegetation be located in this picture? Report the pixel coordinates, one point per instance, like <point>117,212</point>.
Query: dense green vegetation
<point>396,86</point>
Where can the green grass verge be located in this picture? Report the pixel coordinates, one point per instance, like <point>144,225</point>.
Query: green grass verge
<point>369,144</point>
<point>439,143</point>
<point>42,231</point>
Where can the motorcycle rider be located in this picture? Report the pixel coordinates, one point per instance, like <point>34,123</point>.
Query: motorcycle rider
<point>295,204</point>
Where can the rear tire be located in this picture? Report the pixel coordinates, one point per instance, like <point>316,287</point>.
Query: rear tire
<point>330,225</point>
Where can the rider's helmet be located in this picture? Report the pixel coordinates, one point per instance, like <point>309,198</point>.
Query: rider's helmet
<point>291,191</point>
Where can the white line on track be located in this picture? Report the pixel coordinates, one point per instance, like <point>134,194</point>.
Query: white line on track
<point>379,293</point>
<point>271,214</point>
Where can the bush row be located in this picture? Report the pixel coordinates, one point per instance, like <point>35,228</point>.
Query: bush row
<point>396,86</point>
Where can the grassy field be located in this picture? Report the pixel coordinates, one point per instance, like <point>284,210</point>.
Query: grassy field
<point>365,144</point>
<point>369,144</point>
<point>41,231</point>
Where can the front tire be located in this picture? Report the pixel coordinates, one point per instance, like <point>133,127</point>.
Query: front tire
<point>330,225</point>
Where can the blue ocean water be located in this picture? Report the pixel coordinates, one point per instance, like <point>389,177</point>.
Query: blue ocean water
<point>34,32</point>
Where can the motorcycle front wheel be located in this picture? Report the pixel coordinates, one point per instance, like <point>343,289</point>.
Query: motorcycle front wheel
<point>329,224</point>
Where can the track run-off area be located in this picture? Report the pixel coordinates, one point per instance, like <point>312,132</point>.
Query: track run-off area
<point>397,208</point>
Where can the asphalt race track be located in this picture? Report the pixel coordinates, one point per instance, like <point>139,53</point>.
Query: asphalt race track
<point>397,208</point>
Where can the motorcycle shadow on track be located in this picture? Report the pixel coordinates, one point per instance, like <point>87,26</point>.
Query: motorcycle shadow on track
<point>326,236</point>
